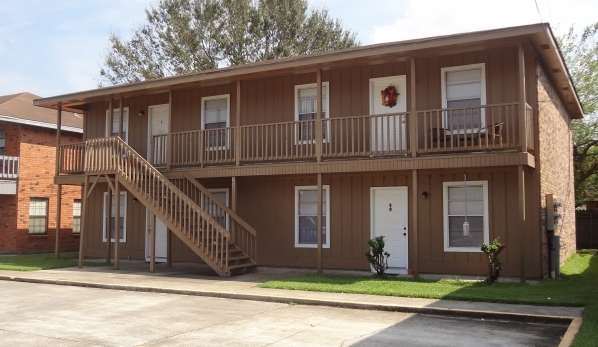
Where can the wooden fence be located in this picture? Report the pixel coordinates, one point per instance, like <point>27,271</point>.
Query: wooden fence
<point>586,229</point>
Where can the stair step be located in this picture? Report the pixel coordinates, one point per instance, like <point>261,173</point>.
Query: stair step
<point>238,258</point>
<point>239,266</point>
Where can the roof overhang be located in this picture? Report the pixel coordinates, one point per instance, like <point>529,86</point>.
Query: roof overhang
<point>539,35</point>
<point>36,123</point>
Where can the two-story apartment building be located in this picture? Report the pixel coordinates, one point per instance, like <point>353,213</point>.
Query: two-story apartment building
<point>313,155</point>
<point>28,195</point>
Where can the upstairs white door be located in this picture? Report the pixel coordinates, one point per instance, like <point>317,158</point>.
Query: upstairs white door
<point>390,219</point>
<point>157,125</point>
<point>388,130</point>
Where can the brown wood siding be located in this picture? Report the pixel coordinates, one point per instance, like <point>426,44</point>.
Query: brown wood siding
<point>503,215</point>
<point>95,125</point>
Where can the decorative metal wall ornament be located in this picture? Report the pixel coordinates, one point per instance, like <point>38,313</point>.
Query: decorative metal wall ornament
<point>390,207</point>
<point>389,96</point>
<point>465,223</point>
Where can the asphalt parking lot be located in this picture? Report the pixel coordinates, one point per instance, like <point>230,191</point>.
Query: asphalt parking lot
<point>50,315</point>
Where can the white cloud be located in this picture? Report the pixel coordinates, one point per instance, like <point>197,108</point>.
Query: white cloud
<point>433,18</point>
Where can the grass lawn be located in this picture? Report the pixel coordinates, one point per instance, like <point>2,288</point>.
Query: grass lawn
<point>578,287</point>
<point>45,261</point>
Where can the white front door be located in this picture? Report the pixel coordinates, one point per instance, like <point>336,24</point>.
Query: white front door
<point>388,132</point>
<point>157,125</point>
<point>161,241</point>
<point>390,219</point>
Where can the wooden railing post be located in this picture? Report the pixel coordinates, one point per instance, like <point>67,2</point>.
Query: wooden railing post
<point>522,101</point>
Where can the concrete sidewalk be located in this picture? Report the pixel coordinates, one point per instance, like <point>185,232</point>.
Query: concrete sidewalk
<point>199,280</point>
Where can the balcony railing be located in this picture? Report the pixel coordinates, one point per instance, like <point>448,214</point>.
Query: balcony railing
<point>441,131</point>
<point>9,166</point>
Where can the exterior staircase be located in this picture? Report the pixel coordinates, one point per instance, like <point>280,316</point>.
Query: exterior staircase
<point>212,230</point>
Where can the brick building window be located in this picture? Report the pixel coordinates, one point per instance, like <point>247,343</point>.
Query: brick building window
<point>2,141</point>
<point>77,216</point>
<point>38,216</point>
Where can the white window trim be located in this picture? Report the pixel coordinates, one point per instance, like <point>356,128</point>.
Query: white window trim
<point>104,219</point>
<point>298,87</point>
<point>203,124</point>
<point>326,190</point>
<point>443,72</point>
<point>125,129</point>
<point>445,186</point>
<point>226,202</point>
<point>75,216</point>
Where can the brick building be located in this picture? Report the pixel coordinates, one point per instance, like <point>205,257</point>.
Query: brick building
<point>27,191</point>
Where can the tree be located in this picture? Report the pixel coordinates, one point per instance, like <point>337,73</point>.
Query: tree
<point>581,55</point>
<point>182,36</point>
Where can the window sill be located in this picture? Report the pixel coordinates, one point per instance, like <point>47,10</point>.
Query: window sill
<point>38,235</point>
<point>310,246</point>
<point>463,250</point>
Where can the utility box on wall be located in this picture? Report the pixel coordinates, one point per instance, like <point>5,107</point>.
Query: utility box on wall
<point>553,212</point>
<point>553,215</point>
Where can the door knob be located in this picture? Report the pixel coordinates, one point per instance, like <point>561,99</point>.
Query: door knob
<point>404,234</point>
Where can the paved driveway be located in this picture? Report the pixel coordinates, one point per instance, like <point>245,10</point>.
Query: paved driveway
<point>49,315</point>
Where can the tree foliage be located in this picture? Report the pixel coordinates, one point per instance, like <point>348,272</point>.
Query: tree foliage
<point>182,36</point>
<point>581,55</point>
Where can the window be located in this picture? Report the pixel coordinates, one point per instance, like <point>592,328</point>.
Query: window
<point>123,217</point>
<point>464,87</point>
<point>38,216</point>
<point>115,123</point>
<point>306,96</point>
<point>2,142</point>
<point>306,216</point>
<point>460,202</point>
<point>215,115</point>
<point>77,216</point>
<point>216,212</point>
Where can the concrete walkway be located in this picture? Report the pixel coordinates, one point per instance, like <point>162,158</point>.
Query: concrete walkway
<point>198,279</point>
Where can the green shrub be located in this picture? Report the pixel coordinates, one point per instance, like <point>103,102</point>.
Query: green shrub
<point>376,255</point>
<point>494,265</point>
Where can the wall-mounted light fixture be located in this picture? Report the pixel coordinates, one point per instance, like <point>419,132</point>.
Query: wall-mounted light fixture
<point>135,200</point>
<point>424,195</point>
<point>141,113</point>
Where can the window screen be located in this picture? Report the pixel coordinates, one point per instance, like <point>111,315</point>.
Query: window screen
<point>77,216</point>
<point>307,214</point>
<point>38,215</point>
<point>307,109</point>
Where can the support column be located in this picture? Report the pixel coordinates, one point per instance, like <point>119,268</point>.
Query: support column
<point>413,135</point>
<point>120,119</point>
<point>108,222</point>
<point>522,99</point>
<point>414,228</point>
<point>59,187</point>
<point>320,218</point>
<point>319,133</point>
<point>58,213</point>
<point>152,242</point>
<point>169,147</point>
<point>110,117</point>
<point>83,220</point>
<point>521,208</point>
<point>116,222</point>
<point>169,244</point>
<point>238,126</point>
<point>233,204</point>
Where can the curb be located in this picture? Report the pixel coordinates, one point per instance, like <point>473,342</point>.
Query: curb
<point>520,317</point>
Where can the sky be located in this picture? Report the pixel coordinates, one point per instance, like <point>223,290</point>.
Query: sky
<point>56,47</point>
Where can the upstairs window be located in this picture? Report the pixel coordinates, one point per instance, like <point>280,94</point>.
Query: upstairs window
<point>464,89</point>
<point>306,102</point>
<point>216,115</point>
<point>115,123</point>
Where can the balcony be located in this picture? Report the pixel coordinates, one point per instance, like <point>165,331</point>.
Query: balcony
<point>9,167</point>
<point>488,128</point>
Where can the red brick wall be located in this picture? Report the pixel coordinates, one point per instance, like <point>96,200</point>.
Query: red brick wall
<point>37,150</point>
<point>556,162</point>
